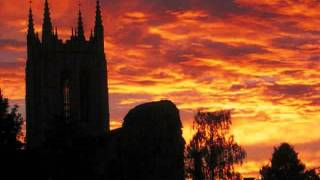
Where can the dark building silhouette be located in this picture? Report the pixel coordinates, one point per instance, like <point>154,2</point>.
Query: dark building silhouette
<point>66,79</point>
<point>67,108</point>
<point>149,145</point>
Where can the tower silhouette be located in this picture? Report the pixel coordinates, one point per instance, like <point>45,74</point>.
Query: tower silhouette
<point>65,79</point>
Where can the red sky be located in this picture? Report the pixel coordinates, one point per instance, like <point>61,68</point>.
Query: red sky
<point>260,58</point>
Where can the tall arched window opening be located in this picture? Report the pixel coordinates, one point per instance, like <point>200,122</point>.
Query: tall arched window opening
<point>66,99</point>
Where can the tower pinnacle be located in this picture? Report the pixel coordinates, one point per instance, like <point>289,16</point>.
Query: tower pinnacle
<point>98,28</point>
<point>30,23</point>
<point>47,25</point>
<point>80,25</point>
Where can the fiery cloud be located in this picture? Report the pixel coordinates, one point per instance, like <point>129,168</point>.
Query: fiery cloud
<point>260,58</point>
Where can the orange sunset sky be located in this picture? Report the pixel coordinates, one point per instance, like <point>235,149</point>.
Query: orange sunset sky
<point>259,58</point>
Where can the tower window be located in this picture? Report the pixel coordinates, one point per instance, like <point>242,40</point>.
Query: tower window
<point>66,100</point>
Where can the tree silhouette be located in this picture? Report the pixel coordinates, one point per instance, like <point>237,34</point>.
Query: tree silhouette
<point>10,126</point>
<point>195,161</point>
<point>212,151</point>
<point>10,147</point>
<point>311,175</point>
<point>285,165</point>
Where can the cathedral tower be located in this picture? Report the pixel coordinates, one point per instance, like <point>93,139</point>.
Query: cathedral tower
<point>66,81</point>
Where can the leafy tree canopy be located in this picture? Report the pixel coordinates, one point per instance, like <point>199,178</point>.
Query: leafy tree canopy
<point>285,165</point>
<point>10,126</point>
<point>213,152</point>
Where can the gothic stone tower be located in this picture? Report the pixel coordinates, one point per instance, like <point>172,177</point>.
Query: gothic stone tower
<point>66,79</point>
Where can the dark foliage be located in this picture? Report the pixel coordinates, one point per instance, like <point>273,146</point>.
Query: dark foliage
<point>312,175</point>
<point>285,165</point>
<point>10,146</point>
<point>212,151</point>
<point>10,126</point>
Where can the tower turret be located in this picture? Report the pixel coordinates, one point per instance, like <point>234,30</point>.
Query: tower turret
<point>72,33</point>
<point>31,33</point>
<point>47,33</point>
<point>98,27</point>
<point>56,33</point>
<point>80,25</point>
<point>31,36</point>
<point>91,35</point>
